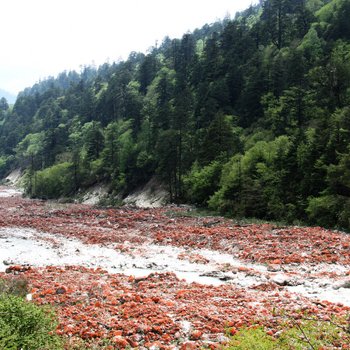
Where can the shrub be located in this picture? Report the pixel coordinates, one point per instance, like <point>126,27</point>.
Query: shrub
<point>54,182</point>
<point>24,325</point>
<point>5,165</point>
<point>308,333</point>
<point>201,183</point>
<point>323,210</point>
<point>315,334</point>
<point>253,339</point>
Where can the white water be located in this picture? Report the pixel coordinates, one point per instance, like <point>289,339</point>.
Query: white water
<point>20,246</point>
<point>9,192</point>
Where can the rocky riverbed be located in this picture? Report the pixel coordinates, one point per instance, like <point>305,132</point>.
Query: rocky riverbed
<point>164,277</point>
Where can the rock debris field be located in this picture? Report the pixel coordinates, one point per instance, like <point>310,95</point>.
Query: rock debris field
<point>165,279</point>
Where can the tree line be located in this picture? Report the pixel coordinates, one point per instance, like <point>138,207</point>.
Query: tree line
<point>249,116</point>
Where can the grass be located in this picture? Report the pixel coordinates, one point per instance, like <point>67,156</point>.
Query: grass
<point>252,339</point>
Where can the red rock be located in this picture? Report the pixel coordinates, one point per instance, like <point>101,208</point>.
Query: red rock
<point>196,335</point>
<point>133,343</point>
<point>117,333</point>
<point>97,304</point>
<point>61,290</point>
<point>233,331</point>
<point>166,338</point>
<point>17,269</point>
<point>189,346</point>
<point>120,342</point>
<point>276,262</point>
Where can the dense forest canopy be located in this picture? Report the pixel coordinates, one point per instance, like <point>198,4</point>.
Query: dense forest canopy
<point>249,116</point>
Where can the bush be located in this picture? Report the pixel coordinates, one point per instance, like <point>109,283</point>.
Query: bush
<point>201,183</point>
<point>323,211</point>
<point>252,184</point>
<point>5,165</point>
<point>313,334</point>
<point>54,182</point>
<point>308,333</point>
<point>24,325</point>
<point>253,339</point>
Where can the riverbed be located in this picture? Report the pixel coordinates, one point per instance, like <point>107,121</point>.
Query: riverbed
<point>252,265</point>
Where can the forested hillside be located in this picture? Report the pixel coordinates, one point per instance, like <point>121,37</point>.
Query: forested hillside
<point>249,116</point>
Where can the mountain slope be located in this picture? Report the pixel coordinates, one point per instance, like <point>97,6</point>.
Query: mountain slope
<point>251,119</point>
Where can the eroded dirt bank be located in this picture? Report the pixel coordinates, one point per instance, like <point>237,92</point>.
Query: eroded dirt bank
<point>160,277</point>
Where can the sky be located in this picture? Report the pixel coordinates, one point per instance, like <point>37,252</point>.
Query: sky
<point>41,38</point>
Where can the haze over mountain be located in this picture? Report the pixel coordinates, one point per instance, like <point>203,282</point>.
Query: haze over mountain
<point>11,98</point>
<point>48,37</point>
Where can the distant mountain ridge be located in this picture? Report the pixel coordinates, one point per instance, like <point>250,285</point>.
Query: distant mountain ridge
<point>11,98</point>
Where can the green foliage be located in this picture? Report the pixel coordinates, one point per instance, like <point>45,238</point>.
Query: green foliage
<point>307,333</point>
<point>4,106</point>
<point>253,339</point>
<point>30,150</point>
<point>53,182</point>
<point>323,210</point>
<point>315,334</point>
<point>315,5</point>
<point>249,115</point>
<point>251,185</point>
<point>23,325</point>
<point>333,19</point>
<point>92,141</point>
<point>31,145</point>
<point>201,183</point>
<point>168,158</point>
<point>221,140</point>
<point>5,164</point>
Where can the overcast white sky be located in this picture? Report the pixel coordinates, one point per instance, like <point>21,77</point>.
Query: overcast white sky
<point>41,38</point>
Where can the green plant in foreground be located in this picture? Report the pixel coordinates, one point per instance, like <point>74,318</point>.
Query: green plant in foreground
<point>309,333</point>
<point>312,333</point>
<point>253,339</point>
<point>24,325</point>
